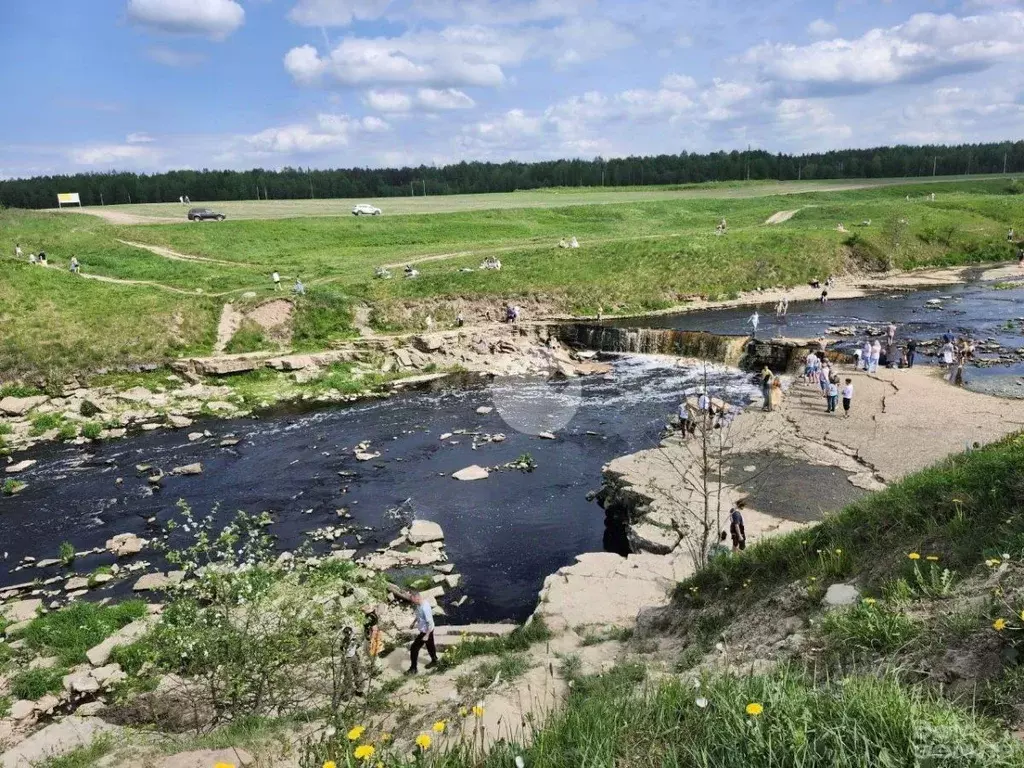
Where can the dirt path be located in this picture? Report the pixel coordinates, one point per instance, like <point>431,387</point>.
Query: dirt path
<point>167,253</point>
<point>123,218</point>
<point>228,325</point>
<point>781,216</point>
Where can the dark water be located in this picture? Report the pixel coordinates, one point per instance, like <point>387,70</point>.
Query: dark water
<point>505,534</point>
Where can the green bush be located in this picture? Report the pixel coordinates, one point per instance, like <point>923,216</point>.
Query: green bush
<point>67,431</point>
<point>248,338</point>
<point>33,684</point>
<point>12,486</point>
<point>66,553</point>
<point>92,430</point>
<point>44,422</point>
<point>71,631</point>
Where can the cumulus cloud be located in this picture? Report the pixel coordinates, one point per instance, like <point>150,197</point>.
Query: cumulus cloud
<point>115,154</point>
<point>821,28</point>
<point>388,101</point>
<point>138,138</point>
<point>501,11</point>
<point>336,13</point>
<point>329,131</point>
<point>443,99</point>
<point>923,48</point>
<point>471,55</point>
<point>587,39</point>
<point>215,19</point>
<point>174,58</point>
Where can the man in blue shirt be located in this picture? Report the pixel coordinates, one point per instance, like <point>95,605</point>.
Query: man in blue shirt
<point>424,624</point>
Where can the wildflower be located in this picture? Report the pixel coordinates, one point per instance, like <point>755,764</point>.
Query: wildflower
<point>932,558</point>
<point>328,764</point>
<point>423,741</point>
<point>230,765</point>
<point>754,709</point>
<point>364,752</point>
<point>914,556</point>
<point>701,702</point>
<point>520,763</point>
<point>999,624</point>
<point>992,562</point>
<point>385,737</point>
<point>463,712</point>
<point>804,541</point>
<point>355,733</point>
<point>478,711</point>
<point>438,727</point>
<point>1005,556</point>
<point>839,551</point>
<point>869,601</point>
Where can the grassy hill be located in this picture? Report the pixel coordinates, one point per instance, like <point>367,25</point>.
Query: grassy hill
<point>636,255</point>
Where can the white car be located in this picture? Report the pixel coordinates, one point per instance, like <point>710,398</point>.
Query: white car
<point>365,209</point>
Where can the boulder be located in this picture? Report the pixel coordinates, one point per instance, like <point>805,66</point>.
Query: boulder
<point>428,343</point>
<point>188,469</point>
<point>19,406</point>
<point>158,581</point>
<point>839,595</point>
<point>108,675</point>
<point>403,358</point>
<point>648,537</point>
<point>226,366</point>
<point>546,436</point>
<point>473,472</point>
<point>47,704</point>
<point>483,410</point>
<point>179,422</point>
<point>20,466</point>
<point>22,709</point>
<point>128,634</point>
<point>75,583</point>
<point>21,610</point>
<point>47,562</point>
<point>88,409</point>
<point>58,738</point>
<point>44,662</point>
<point>308,374</point>
<point>125,544</point>
<point>81,682</point>
<point>101,578</point>
<point>90,709</point>
<point>423,531</point>
<point>364,456</point>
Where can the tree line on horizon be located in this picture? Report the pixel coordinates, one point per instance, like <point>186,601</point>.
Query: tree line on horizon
<point>116,187</point>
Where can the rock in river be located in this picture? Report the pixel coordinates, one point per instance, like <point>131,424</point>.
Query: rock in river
<point>473,472</point>
<point>422,531</point>
<point>125,544</point>
<point>21,466</point>
<point>19,406</point>
<point>188,469</point>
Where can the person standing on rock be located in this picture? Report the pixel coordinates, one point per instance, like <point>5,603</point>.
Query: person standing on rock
<point>876,353</point>
<point>17,251</point>
<point>684,419</point>
<point>277,281</point>
<point>424,624</point>
<point>833,395</point>
<point>766,388</point>
<point>736,527</point>
<point>890,333</point>
<point>911,352</point>
<point>754,320</point>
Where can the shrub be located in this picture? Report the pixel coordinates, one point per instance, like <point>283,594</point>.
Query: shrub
<point>92,430</point>
<point>44,422</point>
<point>66,553</point>
<point>33,684</point>
<point>12,486</point>
<point>248,338</point>
<point>67,431</point>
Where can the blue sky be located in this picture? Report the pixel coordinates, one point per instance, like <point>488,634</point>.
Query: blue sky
<point>154,84</point>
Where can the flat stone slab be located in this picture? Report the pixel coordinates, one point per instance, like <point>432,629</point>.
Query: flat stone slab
<point>125,544</point>
<point>423,531</point>
<point>19,406</point>
<point>473,472</point>
<point>20,466</point>
<point>56,739</point>
<point>188,469</point>
<point>21,610</point>
<point>158,581</point>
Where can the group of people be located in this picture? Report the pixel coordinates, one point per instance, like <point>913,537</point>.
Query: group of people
<point>710,414</point>
<point>818,372</point>
<point>298,289</point>
<point>183,199</point>
<point>74,266</point>
<point>491,263</point>
<point>572,242</point>
<point>737,532</point>
<point>512,313</point>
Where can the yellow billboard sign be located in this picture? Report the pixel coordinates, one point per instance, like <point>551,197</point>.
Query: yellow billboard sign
<point>68,198</point>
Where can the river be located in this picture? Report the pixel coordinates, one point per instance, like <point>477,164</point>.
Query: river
<point>504,534</point>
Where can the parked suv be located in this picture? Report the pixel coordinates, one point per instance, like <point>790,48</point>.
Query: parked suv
<point>200,214</point>
<point>365,209</point>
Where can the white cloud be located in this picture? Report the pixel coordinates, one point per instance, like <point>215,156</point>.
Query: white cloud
<point>923,48</point>
<point>443,99</point>
<point>723,98</point>
<point>115,154</point>
<point>678,82</point>
<point>587,39</point>
<point>809,124</point>
<point>174,58</point>
<point>215,19</point>
<point>329,132</point>
<point>138,138</point>
<point>336,13</point>
<point>501,11</point>
<point>472,55</point>
<point>820,28</point>
<point>388,101</point>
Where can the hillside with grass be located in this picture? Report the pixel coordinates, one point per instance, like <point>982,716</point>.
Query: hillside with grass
<point>154,292</point>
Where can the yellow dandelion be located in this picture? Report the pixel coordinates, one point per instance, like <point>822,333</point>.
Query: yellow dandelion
<point>438,727</point>
<point>839,551</point>
<point>356,733</point>
<point>1022,615</point>
<point>463,712</point>
<point>364,752</point>
<point>754,709</point>
<point>423,741</point>
<point>932,558</point>
<point>385,737</point>
<point>992,562</point>
<point>478,711</point>
<point>328,764</point>
<point>999,624</point>
<point>914,556</point>
<point>869,601</point>
<point>226,765</point>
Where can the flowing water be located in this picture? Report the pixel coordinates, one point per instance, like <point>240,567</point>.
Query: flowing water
<point>504,534</point>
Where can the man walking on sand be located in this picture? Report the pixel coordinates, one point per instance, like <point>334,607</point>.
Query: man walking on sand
<point>766,388</point>
<point>424,624</point>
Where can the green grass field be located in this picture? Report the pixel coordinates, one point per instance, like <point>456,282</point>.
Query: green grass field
<point>642,249</point>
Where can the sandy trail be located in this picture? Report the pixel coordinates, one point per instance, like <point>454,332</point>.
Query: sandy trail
<point>228,325</point>
<point>781,216</point>
<point>167,253</point>
<point>122,217</point>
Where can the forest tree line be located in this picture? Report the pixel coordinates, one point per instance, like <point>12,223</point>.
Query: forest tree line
<point>475,177</point>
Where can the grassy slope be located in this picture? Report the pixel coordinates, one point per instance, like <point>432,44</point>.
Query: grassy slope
<point>636,255</point>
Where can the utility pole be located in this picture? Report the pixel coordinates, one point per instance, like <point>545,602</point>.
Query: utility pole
<point>310,187</point>
<point>935,164</point>
<point>748,162</point>
<point>101,199</point>
<point>1004,163</point>
<point>424,187</point>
